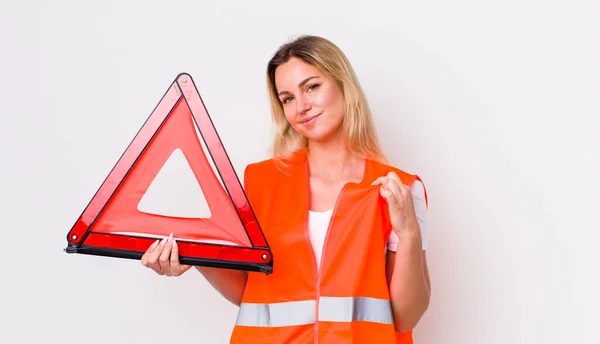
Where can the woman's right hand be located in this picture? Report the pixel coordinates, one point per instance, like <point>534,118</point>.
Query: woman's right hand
<point>163,258</point>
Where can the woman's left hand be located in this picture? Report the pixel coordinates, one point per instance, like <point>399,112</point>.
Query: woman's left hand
<point>400,204</point>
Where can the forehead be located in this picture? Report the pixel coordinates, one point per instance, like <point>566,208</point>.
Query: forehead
<point>291,73</point>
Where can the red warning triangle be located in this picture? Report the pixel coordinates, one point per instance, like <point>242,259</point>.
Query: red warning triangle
<point>116,222</point>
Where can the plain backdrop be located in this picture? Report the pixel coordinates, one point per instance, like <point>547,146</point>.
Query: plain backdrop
<point>495,104</point>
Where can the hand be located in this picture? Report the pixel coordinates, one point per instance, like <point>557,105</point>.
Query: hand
<point>163,258</point>
<point>400,204</point>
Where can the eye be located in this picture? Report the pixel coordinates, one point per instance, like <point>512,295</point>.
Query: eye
<point>313,87</point>
<point>287,99</point>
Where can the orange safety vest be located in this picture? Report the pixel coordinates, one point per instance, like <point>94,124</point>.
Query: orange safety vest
<point>347,299</point>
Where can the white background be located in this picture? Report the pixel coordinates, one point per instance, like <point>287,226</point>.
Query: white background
<point>495,104</point>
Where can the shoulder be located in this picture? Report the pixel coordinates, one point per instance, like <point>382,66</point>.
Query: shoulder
<point>264,173</point>
<point>382,169</point>
<point>273,169</point>
<point>410,179</point>
<point>260,167</point>
<point>259,172</point>
<point>263,180</point>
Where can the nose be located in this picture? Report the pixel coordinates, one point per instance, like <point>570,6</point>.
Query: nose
<point>302,105</point>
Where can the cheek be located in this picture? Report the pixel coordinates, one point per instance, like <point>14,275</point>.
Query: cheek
<point>289,113</point>
<point>332,101</point>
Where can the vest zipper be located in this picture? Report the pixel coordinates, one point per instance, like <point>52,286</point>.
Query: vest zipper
<point>318,268</point>
<point>314,260</point>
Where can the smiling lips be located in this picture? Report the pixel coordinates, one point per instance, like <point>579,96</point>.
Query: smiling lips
<point>310,120</point>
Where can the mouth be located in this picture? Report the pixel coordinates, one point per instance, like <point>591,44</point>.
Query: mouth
<point>310,119</point>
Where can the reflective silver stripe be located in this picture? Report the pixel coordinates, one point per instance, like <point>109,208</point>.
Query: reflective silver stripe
<point>291,313</point>
<point>334,309</point>
<point>347,309</point>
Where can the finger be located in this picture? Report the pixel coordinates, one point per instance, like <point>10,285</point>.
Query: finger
<point>163,260</point>
<point>394,188</point>
<point>175,256</point>
<point>150,249</point>
<point>387,195</point>
<point>153,258</point>
<point>389,198</point>
<point>393,176</point>
<point>177,267</point>
<point>392,194</point>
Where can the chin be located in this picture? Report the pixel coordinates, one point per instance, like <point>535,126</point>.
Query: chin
<point>319,136</point>
<point>318,133</point>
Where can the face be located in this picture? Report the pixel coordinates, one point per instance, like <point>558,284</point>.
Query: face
<point>313,103</point>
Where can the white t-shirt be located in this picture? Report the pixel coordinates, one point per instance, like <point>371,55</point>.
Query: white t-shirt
<point>318,222</point>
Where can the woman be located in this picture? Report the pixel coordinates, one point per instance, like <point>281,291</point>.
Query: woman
<point>347,230</point>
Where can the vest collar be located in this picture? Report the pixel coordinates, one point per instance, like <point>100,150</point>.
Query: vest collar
<point>301,170</point>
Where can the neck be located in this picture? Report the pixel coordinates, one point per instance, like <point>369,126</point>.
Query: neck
<point>331,158</point>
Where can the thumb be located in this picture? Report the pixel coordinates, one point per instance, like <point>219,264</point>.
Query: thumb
<point>379,181</point>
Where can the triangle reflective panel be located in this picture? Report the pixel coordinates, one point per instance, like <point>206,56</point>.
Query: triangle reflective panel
<point>165,182</point>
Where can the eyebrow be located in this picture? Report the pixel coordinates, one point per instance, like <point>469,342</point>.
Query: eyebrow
<point>302,83</point>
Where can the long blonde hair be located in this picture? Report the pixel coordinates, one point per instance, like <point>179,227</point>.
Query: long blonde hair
<point>359,131</point>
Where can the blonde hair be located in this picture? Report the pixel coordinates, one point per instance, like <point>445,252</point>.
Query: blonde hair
<point>359,131</point>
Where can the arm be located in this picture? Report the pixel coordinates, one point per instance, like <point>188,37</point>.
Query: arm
<point>407,272</point>
<point>409,283</point>
<point>229,283</point>
<point>408,275</point>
